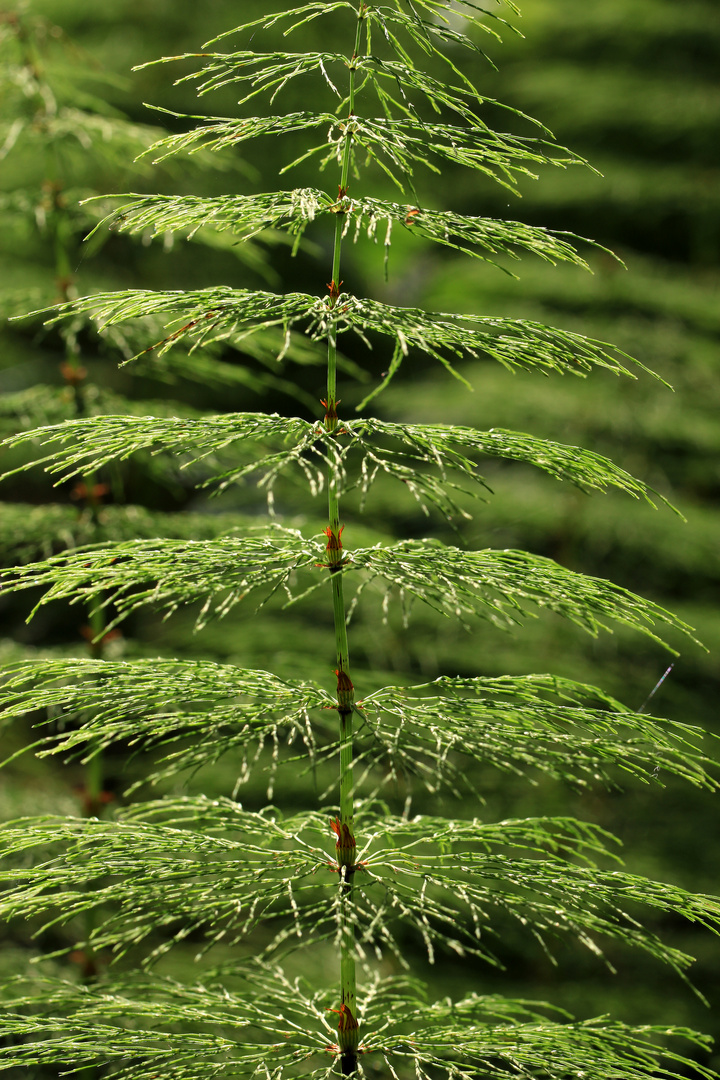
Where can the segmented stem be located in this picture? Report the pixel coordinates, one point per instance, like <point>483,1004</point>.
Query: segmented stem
<point>344,828</point>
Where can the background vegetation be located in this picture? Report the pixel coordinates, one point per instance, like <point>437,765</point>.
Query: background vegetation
<point>632,87</point>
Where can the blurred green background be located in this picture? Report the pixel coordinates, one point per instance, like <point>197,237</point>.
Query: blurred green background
<point>632,87</point>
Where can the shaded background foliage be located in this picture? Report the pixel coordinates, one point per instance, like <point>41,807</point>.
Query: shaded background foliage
<point>632,87</point>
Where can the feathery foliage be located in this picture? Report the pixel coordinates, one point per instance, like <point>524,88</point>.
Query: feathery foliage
<point>313,909</point>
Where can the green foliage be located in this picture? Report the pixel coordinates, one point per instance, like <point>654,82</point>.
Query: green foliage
<point>288,930</point>
<point>294,210</point>
<point>114,438</point>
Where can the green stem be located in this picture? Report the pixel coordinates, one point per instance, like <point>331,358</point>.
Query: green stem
<point>344,828</point>
<point>335,284</point>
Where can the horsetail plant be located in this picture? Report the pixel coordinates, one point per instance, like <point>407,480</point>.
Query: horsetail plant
<point>306,967</point>
<point>63,140</point>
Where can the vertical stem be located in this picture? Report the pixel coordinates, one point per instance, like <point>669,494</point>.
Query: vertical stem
<point>344,827</point>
